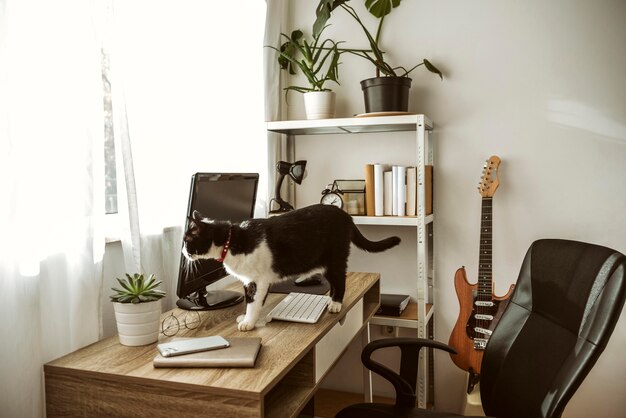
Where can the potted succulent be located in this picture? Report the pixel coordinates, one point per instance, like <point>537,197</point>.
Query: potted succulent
<point>318,61</point>
<point>389,90</point>
<point>137,308</point>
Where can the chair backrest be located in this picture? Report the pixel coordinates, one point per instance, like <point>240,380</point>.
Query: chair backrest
<point>568,298</point>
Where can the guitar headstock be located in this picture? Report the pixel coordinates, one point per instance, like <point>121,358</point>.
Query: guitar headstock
<point>489,181</point>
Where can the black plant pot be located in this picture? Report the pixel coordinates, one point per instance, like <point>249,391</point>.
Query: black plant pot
<point>386,94</point>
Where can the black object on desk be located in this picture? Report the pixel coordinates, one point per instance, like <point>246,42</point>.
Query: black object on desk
<point>309,281</point>
<point>288,286</point>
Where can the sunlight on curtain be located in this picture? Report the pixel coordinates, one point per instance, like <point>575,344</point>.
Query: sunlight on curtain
<point>191,76</point>
<point>275,24</point>
<point>51,183</point>
<point>193,79</point>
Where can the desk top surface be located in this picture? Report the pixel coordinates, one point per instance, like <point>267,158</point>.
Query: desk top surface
<point>283,344</point>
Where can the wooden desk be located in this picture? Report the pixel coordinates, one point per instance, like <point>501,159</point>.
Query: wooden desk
<point>112,380</point>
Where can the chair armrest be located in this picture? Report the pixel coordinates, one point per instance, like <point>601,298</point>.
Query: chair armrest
<point>404,383</point>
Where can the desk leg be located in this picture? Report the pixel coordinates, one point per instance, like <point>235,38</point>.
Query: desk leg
<point>367,374</point>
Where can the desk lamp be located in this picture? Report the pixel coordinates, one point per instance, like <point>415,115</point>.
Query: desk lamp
<point>296,172</point>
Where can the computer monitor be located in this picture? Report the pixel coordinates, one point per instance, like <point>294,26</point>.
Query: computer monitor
<point>223,196</point>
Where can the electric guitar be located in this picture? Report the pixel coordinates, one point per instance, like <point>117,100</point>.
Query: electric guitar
<point>480,309</point>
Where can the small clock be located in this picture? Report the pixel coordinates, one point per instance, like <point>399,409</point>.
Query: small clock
<point>332,197</point>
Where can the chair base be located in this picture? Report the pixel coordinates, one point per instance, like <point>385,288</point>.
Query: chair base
<point>472,404</point>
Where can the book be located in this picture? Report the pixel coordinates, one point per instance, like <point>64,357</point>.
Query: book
<point>428,177</point>
<point>394,190</point>
<point>387,193</point>
<point>392,304</point>
<point>379,169</point>
<point>401,190</point>
<point>369,190</point>
<point>242,352</point>
<point>411,191</point>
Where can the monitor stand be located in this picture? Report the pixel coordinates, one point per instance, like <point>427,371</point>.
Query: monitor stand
<point>204,300</point>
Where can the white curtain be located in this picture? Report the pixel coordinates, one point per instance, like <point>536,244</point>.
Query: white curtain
<point>52,191</point>
<point>277,150</point>
<point>188,96</point>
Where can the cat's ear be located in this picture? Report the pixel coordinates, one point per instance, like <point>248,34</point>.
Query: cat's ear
<point>197,216</point>
<point>195,221</point>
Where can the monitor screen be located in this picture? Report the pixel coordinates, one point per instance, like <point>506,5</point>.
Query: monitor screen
<point>222,196</point>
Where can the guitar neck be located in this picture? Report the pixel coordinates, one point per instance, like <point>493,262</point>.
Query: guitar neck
<point>485,278</point>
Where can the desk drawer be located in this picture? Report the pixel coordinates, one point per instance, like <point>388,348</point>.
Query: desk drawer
<point>328,349</point>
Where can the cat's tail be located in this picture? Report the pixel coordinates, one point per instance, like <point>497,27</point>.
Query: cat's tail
<point>373,246</point>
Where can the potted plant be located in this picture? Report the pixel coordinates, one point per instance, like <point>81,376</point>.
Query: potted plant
<point>389,90</point>
<point>137,308</point>
<point>319,62</point>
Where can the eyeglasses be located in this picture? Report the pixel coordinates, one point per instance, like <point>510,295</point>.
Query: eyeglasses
<point>171,324</point>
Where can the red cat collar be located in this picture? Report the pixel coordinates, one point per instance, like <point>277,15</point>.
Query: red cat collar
<point>226,247</point>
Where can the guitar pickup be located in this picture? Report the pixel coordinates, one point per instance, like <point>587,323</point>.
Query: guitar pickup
<point>483,303</point>
<point>484,331</point>
<point>484,317</point>
<point>480,343</point>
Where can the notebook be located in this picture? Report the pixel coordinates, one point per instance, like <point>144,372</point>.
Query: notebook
<point>242,352</point>
<point>392,305</point>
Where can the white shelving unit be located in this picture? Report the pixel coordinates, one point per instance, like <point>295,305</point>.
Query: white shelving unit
<point>422,223</point>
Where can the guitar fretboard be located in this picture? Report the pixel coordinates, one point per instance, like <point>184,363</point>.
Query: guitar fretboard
<point>484,258</point>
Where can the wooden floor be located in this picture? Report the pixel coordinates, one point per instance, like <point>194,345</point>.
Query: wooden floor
<point>329,402</point>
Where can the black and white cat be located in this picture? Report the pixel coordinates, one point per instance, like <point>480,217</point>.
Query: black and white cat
<point>300,243</point>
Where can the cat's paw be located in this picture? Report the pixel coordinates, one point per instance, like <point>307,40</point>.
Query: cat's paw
<point>334,307</point>
<point>245,326</point>
<point>240,318</point>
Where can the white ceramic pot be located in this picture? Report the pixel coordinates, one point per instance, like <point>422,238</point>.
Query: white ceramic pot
<point>319,104</point>
<point>138,323</point>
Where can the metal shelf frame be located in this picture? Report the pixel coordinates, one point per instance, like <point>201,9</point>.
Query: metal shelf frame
<point>424,224</point>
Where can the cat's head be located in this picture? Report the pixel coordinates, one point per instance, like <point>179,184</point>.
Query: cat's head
<point>204,237</point>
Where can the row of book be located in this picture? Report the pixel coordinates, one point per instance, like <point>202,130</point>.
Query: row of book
<point>391,190</point>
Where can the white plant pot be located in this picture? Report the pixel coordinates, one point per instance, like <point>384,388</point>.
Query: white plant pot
<point>319,104</point>
<point>138,323</point>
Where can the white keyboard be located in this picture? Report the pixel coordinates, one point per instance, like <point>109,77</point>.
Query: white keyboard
<point>300,307</point>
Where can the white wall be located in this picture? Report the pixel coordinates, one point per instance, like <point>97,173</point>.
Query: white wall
<point>542,85</point>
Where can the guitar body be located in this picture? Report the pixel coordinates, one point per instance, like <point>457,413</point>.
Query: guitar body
<point>468,357</point>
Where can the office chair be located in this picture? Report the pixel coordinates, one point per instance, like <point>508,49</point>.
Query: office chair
<point>568,298</point>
